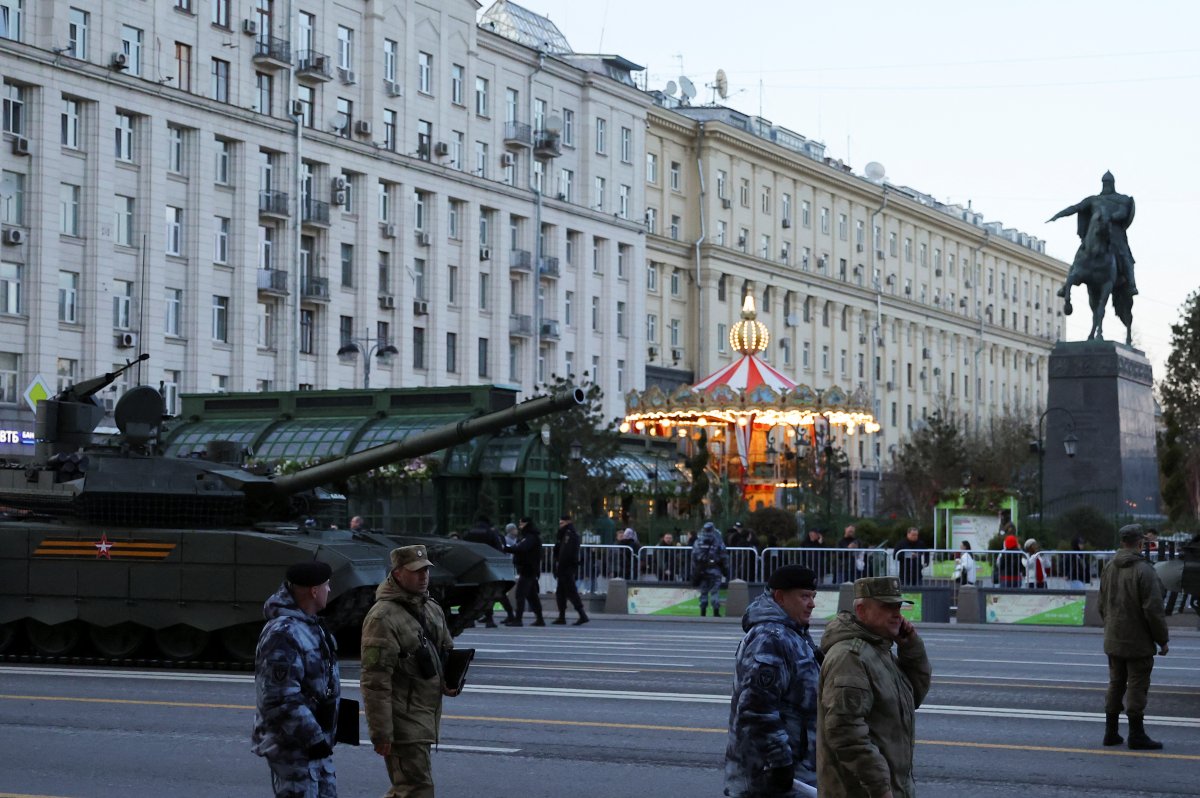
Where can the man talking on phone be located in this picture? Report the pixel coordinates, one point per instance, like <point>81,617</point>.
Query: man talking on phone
<point>868,696</point>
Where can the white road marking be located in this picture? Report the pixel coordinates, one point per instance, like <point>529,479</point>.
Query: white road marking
<point>1157,666</point>
<point>475,749</point>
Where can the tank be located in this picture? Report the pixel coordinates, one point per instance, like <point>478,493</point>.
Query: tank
<point>116,542</point>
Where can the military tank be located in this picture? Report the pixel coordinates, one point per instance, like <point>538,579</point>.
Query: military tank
<point>116,542</point>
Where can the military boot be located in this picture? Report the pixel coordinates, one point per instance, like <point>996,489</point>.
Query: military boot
<point>716,612</point>
<point>1138,739</point>
<point>703,610</point>
<point>1111,735</point>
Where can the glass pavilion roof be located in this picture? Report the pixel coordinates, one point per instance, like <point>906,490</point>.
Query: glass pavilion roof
<point>524,27</point>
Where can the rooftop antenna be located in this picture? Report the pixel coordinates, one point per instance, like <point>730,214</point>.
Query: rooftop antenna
<point>687,89</point>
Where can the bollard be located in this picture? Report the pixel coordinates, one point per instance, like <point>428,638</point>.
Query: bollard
<point>968,605</point>
<point>846,597</point>
<point>737,598</point>
<point>617,601</point>
<point>1091,608</point>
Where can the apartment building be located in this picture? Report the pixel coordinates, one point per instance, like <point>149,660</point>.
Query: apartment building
<point>861,283</point>
<point>241,189</point>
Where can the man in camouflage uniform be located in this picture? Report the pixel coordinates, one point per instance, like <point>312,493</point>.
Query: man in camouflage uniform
<point>709,563</point>
<point>404,645</point>
<point>1131,604</point>
<point>869,697</point>
<point>297,685</point>
<point>773,711</point>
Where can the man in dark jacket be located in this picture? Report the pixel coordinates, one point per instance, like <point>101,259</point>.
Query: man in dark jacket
<point>298,686</point>
<point>566,569</point>
<point>527,558</point>
<point>1131,604</point>
<point>773,711</point>
<point>869,698</point>
<point>483,532</point>
<point>912,556</point>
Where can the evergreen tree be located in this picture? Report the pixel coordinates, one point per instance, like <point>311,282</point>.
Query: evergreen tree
<point>593,477</point>
<point>1179,454</point>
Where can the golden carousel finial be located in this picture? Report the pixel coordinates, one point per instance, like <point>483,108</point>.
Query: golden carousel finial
<point>749,336</point>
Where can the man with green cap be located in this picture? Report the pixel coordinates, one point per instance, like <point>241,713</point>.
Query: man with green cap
<point>866,715</point>
<point>405,641</point>
<point>1131,604</point>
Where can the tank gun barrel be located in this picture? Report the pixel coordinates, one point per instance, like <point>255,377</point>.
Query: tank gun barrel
<point>425,443</point>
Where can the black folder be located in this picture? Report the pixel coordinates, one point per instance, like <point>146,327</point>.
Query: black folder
<point>457,663</point>
<point>347,722</point>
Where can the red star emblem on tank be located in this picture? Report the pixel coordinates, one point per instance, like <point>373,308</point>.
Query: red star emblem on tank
<point>103,547</point>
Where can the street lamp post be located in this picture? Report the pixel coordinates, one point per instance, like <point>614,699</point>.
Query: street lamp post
<point>1069,441</point>
<point>367,346</point>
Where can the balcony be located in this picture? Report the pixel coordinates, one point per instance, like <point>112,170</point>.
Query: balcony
<point>521,261</point>
<point>273,203</point>
<point>519,325</point>
<point>314,289</point>
<point>273,52</point>
<point>313,66</point>
<point>548,268</point>
<point>547,145</point>
<point>517,135</point>
<point>273,281</point>
<point>550,328</point>
<point>315,212</point>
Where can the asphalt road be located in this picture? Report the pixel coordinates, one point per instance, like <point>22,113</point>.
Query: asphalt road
<point>619,707</point>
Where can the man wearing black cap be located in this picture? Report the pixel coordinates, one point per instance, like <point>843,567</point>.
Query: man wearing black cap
<point>1131,604</point>
<point>297,684</point>
<point>868,697</point>
<point>405,641</point>
<point>773,711</point>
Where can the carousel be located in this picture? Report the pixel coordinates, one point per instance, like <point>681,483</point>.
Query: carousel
<point>751,416</point>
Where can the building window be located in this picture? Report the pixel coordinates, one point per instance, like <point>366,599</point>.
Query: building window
<point>457,73</point>
<point>220,318</point>
<point>418,277</point>
<point>220,13</point>
<point>77,33</point>
<point>484,290</point>
<point>744,193</point>
<point>766,200</point>
<point>623,201</point>
<point>14,109</point>
<point>345,37</point>
<point>452,285</point>
<point>70,123</point>
<point>424,73</point>
<point>451,352</point>
<point>391,53</point>
<point>220,80</point>
<point>805,213</point>
<point>221,239</point>
<point>825,221</point>
<point>568,133</point>
<point>174,219</point>
<point>174,310</point>
<point>308,323</point>
<point>123,220</point>
<point>131,46</point>
<point>652,328</point>
<point>384,269</point>
<point>843,227</point>
<point>263,93</point>
<point>675,332</point>
<point>652,276</point>
<point>621,319</point>
<point>675,171</point>
<point>122,304</point>
<point>595,314</point>
<point>598,194</point>
<point>722,336</point>
<point>347,263</point>
<point>569,308</point>
<point>68,205</point>
<point>68,296</point>
<point>124,137</point>
<point>183,66</point>
<point>222,156</point>
<point>481,159</point>
<point>482,355</point>
<point>389,130</point>
<point>626,145</point>
<point>481,99</point>
<point>601,135</point>
<point>651,168</point>
<point>175,149</point>
<point>512,105</point>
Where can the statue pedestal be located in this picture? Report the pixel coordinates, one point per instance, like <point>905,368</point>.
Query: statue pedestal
<point>1107,387</point>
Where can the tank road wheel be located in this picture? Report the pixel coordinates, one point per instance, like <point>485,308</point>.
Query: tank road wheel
<point>240,641</point>
<point>8,636</point>
<point>181,642</point>
<point>117,641</point>
<point>53,640</point>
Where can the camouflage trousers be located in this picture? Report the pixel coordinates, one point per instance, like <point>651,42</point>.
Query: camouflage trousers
<point>710,585</point>
<point>1128,684</point>
<point>313,778</point>
<point>410,770</point>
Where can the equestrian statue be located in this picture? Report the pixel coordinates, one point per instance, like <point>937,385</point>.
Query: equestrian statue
<point>1103,262</point>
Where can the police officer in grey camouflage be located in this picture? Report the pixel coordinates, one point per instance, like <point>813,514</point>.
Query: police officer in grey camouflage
<point>710,561</point>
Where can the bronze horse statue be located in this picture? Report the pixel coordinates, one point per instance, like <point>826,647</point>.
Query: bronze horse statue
<point>1103,262</point>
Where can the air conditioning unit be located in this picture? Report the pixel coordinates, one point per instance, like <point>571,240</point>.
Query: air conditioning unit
<point>422,238</point>
<point>341,197</point>
<point>340,183</point>
<point>387,302</point>
<point>1037,305</point>
<point>925,354</point>
<point>891,279</point>
<point>394,89</point>
<point>562,196</point>
<point>676,354</point>
<point>485,253</point>
<point>652,352</point>
<point>787,223</point>
<point>726,203</point>
<point>119,61</point>
<point>318,63</point>
<point>14,236</point>
<point>937,272</point>
<point>741,241</point>
<point>250,27</point>
<point>420,307</point>
<point>908,290</point>
<point>962,303</point>
<point>507,159</point>
<point>348,77</point>
<point>20,146</point>
<point>297,108</point>
<point>441,149</point>
<point>127,340</point>
<point>792,320</point>
<point>822,262</point>
<point>923,375</point>
<point>363,127</point>
<point>388,231</point>
<point>858,247</point>
<point>862,339</point>
<point>891,385</point>
<point>937,372</point>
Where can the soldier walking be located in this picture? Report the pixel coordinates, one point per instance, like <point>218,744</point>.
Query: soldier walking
<point>709,563</point>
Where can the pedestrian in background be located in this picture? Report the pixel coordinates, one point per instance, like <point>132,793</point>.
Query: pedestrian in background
<point>297,686</point>
<point>483,532</point>
<point>773,711</point>
<point>1037,565</point>
<point>845,571</point>
<point>1009,570</point>
<point>527,559</point>
<point>1131,604</point>
<point>405,641</point>
<point>1076,565</point>
<point>964,569</point>
<point>814,555</point>
<point>629,539</point>
<point>869,697</point>
<point>566,570</point>
<point>709,564</point>
<point>912,556</point>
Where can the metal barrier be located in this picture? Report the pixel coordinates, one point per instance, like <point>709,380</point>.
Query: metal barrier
<point>674,564</point>
<point>597,564</point>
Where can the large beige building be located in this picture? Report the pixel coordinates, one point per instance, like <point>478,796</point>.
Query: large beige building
<point>242,188</point>
<point>862,284</point>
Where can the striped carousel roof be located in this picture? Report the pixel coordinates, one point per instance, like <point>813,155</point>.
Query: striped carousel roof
<point>746,374</point>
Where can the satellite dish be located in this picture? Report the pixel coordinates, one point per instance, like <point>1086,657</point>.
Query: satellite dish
<point>670,89</point>
<point>552,123</point>
<point>875,172</point>
<point>339,121</point>
<point>722,84</point>
<point>687,88</point>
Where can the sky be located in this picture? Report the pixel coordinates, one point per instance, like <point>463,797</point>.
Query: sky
<point>1017,107</point>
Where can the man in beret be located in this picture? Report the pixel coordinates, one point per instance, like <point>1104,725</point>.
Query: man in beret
<point>773,711</point>
<point>1131,604</point>
<point>404,645</point>
<point>297,685</point>
<point>869,698</point>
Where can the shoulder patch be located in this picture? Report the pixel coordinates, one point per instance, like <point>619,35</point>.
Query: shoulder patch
<point>856,645</point>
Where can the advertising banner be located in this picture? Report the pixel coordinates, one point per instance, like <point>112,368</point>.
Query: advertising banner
<point>1035,608</point>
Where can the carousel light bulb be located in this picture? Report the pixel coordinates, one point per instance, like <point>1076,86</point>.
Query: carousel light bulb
<point>624,427</point>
